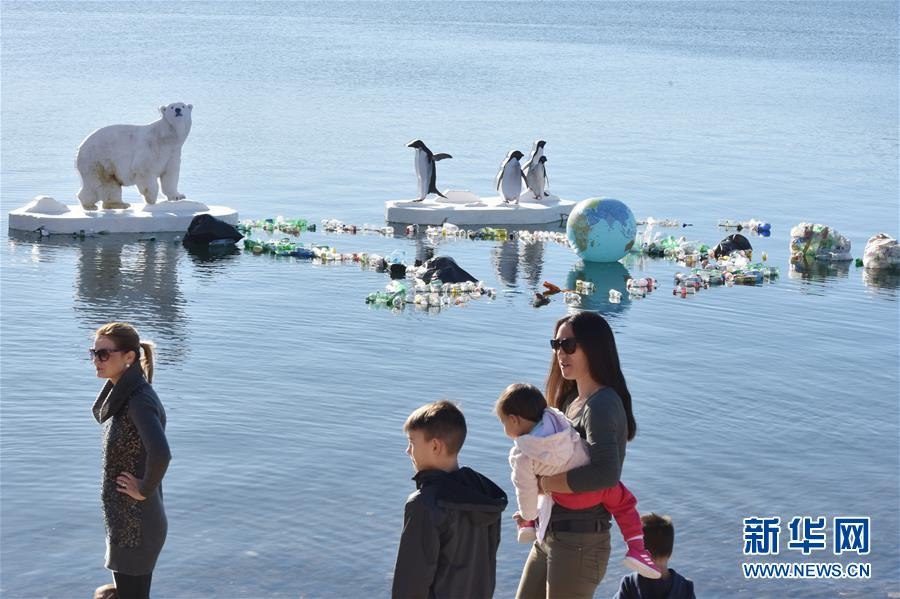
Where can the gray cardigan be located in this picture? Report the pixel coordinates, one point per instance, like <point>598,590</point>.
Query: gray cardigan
<point>134,440</point>
<point>604,425</point>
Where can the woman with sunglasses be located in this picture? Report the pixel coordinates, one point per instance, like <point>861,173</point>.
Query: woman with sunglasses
<point>135,457</point>
<point>586,383</point>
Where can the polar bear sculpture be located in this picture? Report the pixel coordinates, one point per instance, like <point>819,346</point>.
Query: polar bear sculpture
<point>144,155</point>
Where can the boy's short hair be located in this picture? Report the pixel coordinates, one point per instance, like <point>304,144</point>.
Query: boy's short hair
<point>522,400</point>
<point>442,420</point>
<point>659,534</point>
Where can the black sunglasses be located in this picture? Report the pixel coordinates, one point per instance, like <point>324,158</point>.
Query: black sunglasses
<point>568,344</point>
<point>102,354</point>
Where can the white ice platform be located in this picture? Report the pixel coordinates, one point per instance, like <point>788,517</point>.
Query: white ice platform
<point>52,217</point>
<point>465,208</point>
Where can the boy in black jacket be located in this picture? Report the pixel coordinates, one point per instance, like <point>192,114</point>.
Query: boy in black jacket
<point>659,538</point>
<point>451,523</point>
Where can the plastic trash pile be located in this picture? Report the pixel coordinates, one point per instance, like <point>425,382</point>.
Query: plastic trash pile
<point>280,224</point>
<point>664,222</point>
<point>320,253</point>
<point>882,252</point>
<point>756,226</point>
<point>535,236</point>
<point>434,294</point>
<point>734,269</point>
<point>437,283</point>
<point>279,247</point>
<point>332,225</point>
<point>451,231</point>
<point>820,242</point>
<point>679,248</point>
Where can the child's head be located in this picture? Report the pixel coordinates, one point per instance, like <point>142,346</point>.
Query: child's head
<point>659,537</point>
<point>436,433</point>
<point>519,408</point>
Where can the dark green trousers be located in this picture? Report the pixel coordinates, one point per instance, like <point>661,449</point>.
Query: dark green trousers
<point>567,565</point>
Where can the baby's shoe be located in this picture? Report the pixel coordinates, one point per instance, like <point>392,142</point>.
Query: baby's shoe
<point>640,561</point>
<point>527,533</point>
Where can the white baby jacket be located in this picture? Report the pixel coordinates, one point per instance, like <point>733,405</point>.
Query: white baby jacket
<point>553,446</point>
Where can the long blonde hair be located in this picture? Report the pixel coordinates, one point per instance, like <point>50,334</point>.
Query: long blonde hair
<point>126,338</point>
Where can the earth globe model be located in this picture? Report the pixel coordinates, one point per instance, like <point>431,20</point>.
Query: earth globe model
<point>601,229</point>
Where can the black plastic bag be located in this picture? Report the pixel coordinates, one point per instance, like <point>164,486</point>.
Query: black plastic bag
<point>447,270</point>
<point>732,243</point>
<point>205,228</point>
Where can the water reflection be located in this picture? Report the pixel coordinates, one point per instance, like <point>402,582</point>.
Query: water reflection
<point>514,257</point>
<point>604,276</point>
<point>126,277</point>
<point>208,260</point>
<point>882,278</point>
<point>424,248</point>
<point>818,270</point>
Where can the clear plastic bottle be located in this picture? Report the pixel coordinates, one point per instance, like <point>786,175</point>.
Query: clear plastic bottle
<point>572,298</point>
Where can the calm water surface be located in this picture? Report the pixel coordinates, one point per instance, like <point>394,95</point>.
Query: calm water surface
<point>286,393</point>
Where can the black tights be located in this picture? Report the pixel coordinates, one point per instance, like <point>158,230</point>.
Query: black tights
<point>132,587</point>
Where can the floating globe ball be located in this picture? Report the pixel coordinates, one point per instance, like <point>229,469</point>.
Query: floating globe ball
<point>601,229</point>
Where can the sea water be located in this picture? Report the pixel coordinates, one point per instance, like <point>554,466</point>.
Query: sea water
<point>286,393</point>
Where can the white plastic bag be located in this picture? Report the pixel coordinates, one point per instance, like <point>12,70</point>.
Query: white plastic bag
<point>882,251</point>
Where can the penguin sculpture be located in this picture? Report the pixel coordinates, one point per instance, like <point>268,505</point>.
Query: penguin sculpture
<point>536,178</point>
<point>537,150</point>
<point>509,179</point>
<point>425,168</point>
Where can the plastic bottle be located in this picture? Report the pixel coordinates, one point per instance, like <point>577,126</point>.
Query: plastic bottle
<point>615,296</point>
<point>572,298</point>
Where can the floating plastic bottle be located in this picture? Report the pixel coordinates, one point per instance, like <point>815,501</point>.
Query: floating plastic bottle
<point>572,298</point>
<point>749,277</point>
<point>645,283</point>
<point>757,226</point>
<point>615,296</point>
<point>637,292</point>
<point>665,222</point>
<point>585,287</point>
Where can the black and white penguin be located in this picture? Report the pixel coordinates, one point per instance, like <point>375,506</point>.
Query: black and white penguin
<point>534,163</point>
<point>536,178</point>
<point>509,178</point>
<point>425,168</point>
<point>537,150</point>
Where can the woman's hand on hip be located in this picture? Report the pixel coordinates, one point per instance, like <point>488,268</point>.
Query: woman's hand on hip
<point>130,485</point>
